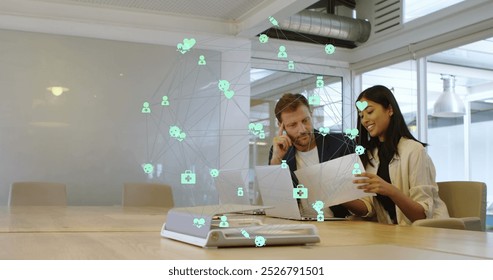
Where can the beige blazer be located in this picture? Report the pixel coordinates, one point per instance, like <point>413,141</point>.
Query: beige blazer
<point>412,172</point>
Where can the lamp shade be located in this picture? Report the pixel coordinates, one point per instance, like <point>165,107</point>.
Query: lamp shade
<point>449,105</point>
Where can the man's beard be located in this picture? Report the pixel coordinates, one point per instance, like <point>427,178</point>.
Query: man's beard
<point>305,143</point>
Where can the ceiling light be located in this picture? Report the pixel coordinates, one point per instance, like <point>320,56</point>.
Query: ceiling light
<point>449,105</point>
<point>57,91</point>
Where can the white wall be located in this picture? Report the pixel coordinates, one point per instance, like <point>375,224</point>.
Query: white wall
<point>95,137</point>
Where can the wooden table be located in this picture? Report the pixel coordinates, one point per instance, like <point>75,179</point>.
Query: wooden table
<point>81,219</point>
<point>134,233</point>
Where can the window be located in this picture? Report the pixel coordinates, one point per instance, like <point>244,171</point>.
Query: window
<point>414,9</point>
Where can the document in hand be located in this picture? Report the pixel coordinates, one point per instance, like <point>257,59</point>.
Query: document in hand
<point>332,181</point>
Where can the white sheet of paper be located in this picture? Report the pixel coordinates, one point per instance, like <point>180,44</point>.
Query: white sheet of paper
<point>332,181</point>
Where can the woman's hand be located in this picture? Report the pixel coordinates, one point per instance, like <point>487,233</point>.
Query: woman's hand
<point>374,184</point>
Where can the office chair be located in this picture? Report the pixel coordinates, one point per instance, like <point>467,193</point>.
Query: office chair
<point>466,204</point>
<point>147,194</point>
<point>37,194</point>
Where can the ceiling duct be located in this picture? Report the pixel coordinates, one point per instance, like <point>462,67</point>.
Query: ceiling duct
<point>327,25</point>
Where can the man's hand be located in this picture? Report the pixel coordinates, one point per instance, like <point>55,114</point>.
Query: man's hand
<point>280,144</point>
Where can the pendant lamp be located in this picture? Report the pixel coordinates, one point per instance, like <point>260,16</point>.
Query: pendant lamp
<point>449,104</point>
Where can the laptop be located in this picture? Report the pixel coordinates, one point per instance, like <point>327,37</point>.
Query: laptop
<point>276,189</point>
<point>232,187</point>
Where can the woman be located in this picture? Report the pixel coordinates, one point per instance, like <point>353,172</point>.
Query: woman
<point>398,169</point>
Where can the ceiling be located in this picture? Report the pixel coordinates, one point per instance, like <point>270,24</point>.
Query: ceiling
<point>225,10</point>
<point>239,18</point>
<point>127,19</point>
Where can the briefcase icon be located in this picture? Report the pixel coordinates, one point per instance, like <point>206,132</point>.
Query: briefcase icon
<point>300,192</point>
<point>188,178</point>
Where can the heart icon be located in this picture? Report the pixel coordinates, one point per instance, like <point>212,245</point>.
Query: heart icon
<point>182,136</point>
<point>199,222</point>
<point>188,43</point>
<point>229,93</point>
<point>361,105</point>
<point>324,130</point>
<point>351,133</point>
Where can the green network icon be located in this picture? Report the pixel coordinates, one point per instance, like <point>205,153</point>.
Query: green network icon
<point>145,108</point>
<point>148,168</point>
<point>202,60</point>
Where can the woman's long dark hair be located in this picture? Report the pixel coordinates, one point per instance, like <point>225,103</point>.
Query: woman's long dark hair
<point>397,126</point>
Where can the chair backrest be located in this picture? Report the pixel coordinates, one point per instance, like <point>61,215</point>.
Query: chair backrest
<point>464,199</point>
<point>37,194</point>
<point>147,194</point>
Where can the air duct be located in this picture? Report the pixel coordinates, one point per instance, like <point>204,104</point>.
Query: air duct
<point>328,25</point>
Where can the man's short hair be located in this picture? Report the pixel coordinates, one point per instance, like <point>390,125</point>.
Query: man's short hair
<point>289,103</point>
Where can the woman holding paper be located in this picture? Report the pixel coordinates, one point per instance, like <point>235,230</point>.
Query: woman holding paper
<point>398,169</point>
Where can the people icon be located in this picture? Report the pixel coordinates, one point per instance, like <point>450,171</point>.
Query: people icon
<point>202,60</point>
<point>291,65</point>
<point>165,101</point>
<point>282,52</point>
<point>224,221</point>
<point>356,169</point>
<point>145,108</point>
<point>320,81</point>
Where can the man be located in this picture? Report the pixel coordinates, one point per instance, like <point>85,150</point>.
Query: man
<point>299,145</point>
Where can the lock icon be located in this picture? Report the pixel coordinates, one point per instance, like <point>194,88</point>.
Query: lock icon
<point>300,192</point>
<point>284,164</point>
<point>240,191</point>
<point>188,178</point>
<point>291,65</point>
<point>320,82</point>
<point>320,217</point>
<point>314,100</point>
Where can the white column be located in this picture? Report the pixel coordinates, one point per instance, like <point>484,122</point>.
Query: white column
<point>422,114</point>
<point>467,147</point>
<point>235,112</point>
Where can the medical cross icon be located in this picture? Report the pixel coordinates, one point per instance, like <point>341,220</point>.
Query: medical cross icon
<point>188,178</point>
<point>300,192</point>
